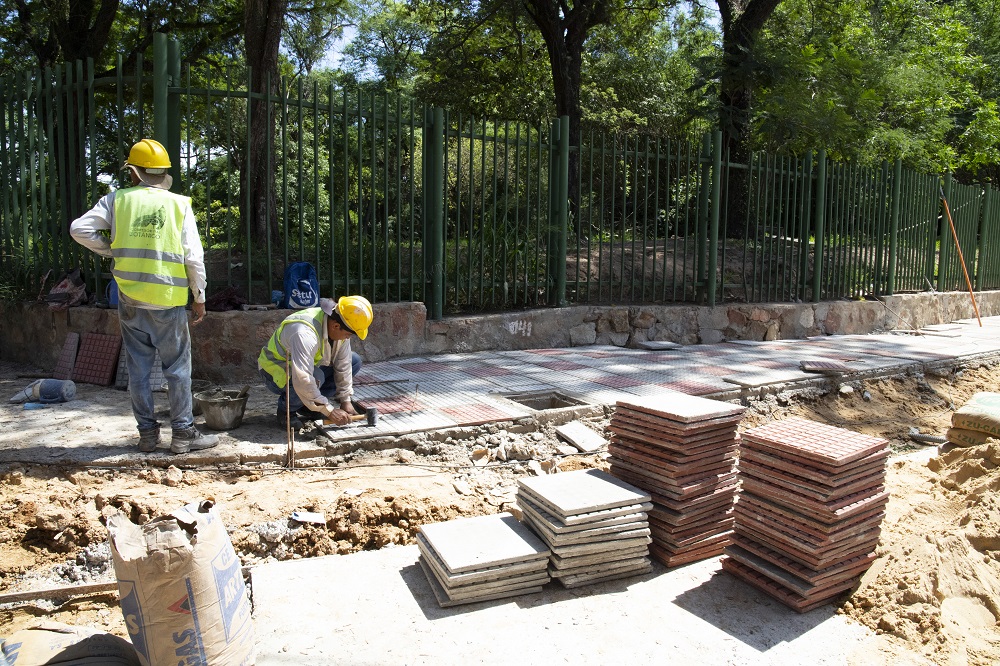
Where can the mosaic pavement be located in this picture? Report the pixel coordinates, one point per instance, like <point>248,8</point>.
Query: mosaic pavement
<point>428,393</point>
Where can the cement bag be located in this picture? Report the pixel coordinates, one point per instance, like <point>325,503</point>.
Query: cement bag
<point>58,643</point>
<point>981,413</point>
<point>962,437</point>
<point>181,589</point>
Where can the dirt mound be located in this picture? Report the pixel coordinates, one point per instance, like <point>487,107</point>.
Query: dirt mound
<point>367,521</point>
<point>936,584</point>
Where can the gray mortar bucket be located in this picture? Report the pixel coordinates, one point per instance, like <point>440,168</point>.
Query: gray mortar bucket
<point>223,409</point>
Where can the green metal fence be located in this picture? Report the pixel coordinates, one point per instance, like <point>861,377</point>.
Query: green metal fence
<point>406,203</point>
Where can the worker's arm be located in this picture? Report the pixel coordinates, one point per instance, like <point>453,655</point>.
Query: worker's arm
<point>343,375</point>
<point>87,229</point>
<point>194,263</point>
<point>300,343</point>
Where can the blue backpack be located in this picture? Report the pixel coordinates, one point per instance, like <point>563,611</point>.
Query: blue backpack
<point>301,286</point>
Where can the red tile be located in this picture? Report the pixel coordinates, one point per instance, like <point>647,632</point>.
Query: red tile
<point>98,358</point>
<point>393,404</point>
<point>67,357</point>
<point>475,414</point>
<point>819,442</point>
<point>691,387</point>
<point>783,594</point>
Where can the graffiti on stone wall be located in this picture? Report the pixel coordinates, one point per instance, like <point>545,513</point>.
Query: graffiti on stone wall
<point>520,327</point>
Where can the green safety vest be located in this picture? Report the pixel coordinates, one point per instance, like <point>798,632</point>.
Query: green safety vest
<point>148,247</point>
<point>272,359</point>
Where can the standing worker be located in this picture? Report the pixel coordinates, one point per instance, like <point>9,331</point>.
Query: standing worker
<point>313,345</point>
<point>157,256</point>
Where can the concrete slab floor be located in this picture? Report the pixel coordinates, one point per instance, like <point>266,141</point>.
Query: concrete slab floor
<point>378,608</point>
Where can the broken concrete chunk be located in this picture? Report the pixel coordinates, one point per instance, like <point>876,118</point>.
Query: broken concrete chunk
<point>173,477</point>
<point>461,487</point>
<point>481,457</point>
<point>53,519</point>
<point>536,467</point>
<point>580,436</point>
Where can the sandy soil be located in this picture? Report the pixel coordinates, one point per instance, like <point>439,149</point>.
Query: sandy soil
<point>933,590</point>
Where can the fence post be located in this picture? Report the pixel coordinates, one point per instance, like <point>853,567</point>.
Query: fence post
<point>558,209</point>
<point>981,245</point>
<point>434,131</point>
<point>713,228</point>
<point>701,236</point>
<point>161,81</point>
<point>173,110</point>
<point>817,285</point>
<point>897,177</point>
<point>943,235</point>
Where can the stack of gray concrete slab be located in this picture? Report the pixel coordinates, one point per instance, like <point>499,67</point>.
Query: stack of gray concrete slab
<point>595,525</point>
<point>481,558</point>
<point>681,449</point>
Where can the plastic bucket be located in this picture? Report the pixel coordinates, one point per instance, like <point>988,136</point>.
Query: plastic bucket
<point>223,410</point>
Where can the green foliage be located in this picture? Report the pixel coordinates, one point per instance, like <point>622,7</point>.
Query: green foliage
<point>640,74</point>
<point>486,60</point>
<point>388,45</point>
<point>873,81</point>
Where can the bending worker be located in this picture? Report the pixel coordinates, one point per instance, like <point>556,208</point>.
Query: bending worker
<point>158,257</point>
<point>313,345</point>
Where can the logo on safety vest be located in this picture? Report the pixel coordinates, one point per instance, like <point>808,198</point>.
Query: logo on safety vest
<point>149,225</point>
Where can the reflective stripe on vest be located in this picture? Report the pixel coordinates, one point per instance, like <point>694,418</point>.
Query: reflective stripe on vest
<point>272,360</point>
<point>148,248</point>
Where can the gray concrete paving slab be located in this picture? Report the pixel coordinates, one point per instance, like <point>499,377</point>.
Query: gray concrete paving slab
<point>378,608</point>
<point>480,542</point>
<point>581,492</point>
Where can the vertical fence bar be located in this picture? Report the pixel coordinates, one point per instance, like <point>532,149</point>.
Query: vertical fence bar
<point>817,283</point>
<point>435,217</point>
<point>944,253</point>
<point>713,229</point>
<point>558,210</point>
<point>897,177</point>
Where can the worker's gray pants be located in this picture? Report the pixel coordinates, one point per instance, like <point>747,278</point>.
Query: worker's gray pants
<point>144,334</point>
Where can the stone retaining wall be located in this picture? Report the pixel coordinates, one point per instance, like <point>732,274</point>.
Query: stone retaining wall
<point>226,344</point>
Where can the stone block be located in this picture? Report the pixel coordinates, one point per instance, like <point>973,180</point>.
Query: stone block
<point>583,334</point>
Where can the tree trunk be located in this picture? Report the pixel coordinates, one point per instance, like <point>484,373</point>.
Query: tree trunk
<point>741,23</point>
<point>263,20</point>
<point>565,31</point>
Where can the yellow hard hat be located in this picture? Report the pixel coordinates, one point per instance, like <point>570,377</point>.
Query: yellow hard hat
<point>356,313</point>
<point>148,154</point>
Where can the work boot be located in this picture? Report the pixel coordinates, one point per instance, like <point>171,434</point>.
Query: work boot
<point>189,439</point>
<point>149,439</point>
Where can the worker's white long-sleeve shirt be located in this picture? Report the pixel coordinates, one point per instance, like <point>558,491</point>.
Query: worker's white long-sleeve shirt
<point>301,344</point>
<point>87,228</point>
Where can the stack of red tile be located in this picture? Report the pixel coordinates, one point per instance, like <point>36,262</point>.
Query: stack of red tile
<point>680,449</point>
<point>809,512</point>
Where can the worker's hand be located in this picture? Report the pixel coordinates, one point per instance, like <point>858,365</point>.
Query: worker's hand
<point>348,407</point>
<point>199,312</point>
<point>336,417</point>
